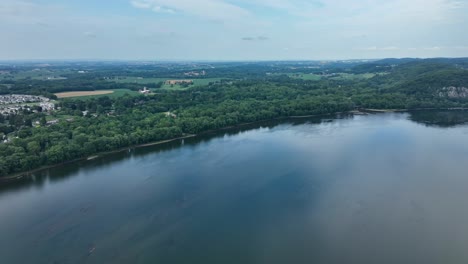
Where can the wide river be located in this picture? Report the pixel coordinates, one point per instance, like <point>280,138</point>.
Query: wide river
<point>382,188</point>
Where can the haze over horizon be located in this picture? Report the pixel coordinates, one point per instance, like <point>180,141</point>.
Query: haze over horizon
<point>231,29</point>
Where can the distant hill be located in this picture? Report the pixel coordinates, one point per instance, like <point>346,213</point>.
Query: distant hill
<point>386,65</point>
<point>379,66</point>
<point>394,61</point>
<point>426,78</point>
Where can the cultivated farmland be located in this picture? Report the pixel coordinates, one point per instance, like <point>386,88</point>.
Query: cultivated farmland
<point>83,93</point>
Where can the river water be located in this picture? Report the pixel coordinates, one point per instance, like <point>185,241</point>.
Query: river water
<point>383,188</point>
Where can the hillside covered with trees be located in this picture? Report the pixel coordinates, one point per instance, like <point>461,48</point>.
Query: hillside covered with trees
<point>247,93</point>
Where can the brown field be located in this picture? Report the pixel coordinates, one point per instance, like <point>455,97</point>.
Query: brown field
<point>84,93</point>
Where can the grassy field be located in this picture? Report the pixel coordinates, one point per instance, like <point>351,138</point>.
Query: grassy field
<point>305,76</point>
<point>39,74</point>
<point>91,94</point>
<point>143,81</point>
<point>348,76</point>
<point>138,80</point>
<point>80,94</point>
<point>122,92</point>
<point>339,76</point>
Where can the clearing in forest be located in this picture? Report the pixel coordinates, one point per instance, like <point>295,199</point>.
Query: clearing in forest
<point>83,93</point>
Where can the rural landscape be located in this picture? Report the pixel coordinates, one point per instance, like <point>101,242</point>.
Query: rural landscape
<point>233,132</point>
<point>137,123</point>
<point>97,110</point>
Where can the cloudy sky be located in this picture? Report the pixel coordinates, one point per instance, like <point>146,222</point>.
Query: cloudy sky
<point>232,29</point>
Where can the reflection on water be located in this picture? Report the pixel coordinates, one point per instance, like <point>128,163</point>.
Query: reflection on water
<point>37,179</point>
<point>440,118</point>
<point>365,189</point>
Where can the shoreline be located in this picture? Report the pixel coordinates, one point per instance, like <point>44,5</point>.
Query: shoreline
<point>361,111</point>
<point>21,175</point>
<point>371,110</point>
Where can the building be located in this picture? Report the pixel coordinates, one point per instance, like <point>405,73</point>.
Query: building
<point>145,91</point>
<point>194,73</point>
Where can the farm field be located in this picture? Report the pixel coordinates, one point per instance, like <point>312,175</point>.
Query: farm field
<point>302,76</point>
<point>39,74</point>
<point>79,94</point>
<point>305,76</point>
<point>348,76</point>
<point>139,80</point>
<point>85,94</point>
<point>338,76</point>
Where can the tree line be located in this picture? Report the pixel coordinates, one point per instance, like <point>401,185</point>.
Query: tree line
<point>105,123</point>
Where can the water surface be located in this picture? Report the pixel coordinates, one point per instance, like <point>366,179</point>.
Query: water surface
<point>386,188</point>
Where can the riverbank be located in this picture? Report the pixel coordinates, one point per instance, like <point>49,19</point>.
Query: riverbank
<point>21,175</point>
<point>370,110</point>
<point>362,111</point>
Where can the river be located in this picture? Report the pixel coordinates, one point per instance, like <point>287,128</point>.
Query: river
<point>381,188</point>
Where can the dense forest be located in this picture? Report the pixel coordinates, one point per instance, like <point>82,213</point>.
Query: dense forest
<point>251,92</point>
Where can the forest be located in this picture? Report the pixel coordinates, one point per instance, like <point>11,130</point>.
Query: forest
<point>249,93</point>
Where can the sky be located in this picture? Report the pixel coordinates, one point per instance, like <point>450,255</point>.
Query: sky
<point>232,29</point>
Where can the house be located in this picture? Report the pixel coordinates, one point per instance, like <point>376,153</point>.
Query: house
<point>169,114</point>
<point>52,122</point>
<point>145,91</point>
<point>194,73</point>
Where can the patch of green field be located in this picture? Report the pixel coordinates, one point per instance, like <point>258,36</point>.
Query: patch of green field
<point>140,80</point>
<point>200,82</point>
<point>348,76</point>
<point>120,92</point>
<point>173,87</point>
<point>38,74</point>
<point>305,76</point>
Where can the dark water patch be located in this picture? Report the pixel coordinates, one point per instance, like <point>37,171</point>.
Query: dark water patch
<point>367,189</point>
<point>439,118</point>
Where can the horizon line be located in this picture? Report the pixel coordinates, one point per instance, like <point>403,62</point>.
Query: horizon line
<point>219,61</point>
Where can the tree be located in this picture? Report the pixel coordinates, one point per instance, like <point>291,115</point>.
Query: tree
<point>34,148</point>
<point>43,121</point>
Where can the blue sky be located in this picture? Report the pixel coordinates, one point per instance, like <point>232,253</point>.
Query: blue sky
<point>232,29</point>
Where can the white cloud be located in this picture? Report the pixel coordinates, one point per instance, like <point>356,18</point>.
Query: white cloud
<point>370,48</point>
<point>141,4</point>
<point>375,48</point>
<point>233,29</point>
<point>89,34</point>
<point>294,7</point>
<point>160,9</point>
<point>456,4</point>
<point>390,48</point>
<point>435,48</point>
<point>206,9</point>
<point>23,12</point>
<point>259,38</point>
<point>8,7</point>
